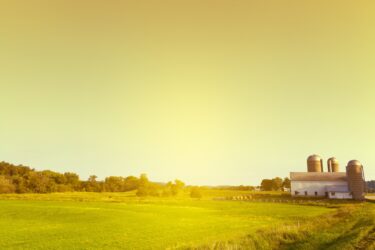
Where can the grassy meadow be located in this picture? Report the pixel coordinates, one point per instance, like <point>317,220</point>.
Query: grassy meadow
<point>124,221</point>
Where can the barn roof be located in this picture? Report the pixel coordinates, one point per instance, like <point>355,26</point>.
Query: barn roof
<point>318,176</point>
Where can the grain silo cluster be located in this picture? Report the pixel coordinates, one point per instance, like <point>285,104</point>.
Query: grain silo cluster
<point>331,184</point>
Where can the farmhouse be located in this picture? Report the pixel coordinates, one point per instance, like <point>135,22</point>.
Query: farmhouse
<point>332,184</point>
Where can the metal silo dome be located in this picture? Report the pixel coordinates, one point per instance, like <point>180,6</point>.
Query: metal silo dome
<point>314,163</point>
<point>354,163</point>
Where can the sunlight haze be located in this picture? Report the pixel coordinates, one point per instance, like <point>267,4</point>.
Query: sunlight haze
<point>209,92</point>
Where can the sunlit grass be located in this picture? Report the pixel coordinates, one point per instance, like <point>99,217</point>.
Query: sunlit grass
<point>125,221</point>
<point>121,220</point>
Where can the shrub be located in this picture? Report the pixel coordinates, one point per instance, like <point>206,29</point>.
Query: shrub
<point>6,186</point>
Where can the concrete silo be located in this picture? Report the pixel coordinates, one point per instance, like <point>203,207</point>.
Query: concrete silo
<point>356,180</point>
<point>333,165</point>
<point>314,163</point>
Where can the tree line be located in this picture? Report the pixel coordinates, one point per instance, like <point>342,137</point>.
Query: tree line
<point>275,184</point>
<point>23,179</point>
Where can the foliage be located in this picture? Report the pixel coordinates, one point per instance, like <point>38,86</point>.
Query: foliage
<point>240,188</point>
<point>6,185</point>
<point>266,185</point>
<point>143,186</point>
<point>21,179</point>
<point>286,182</point>
<point>275,184</point>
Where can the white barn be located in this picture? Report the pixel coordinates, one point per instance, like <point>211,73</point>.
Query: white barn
<point>333,185</point>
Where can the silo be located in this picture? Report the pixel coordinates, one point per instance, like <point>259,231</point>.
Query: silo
<point>333,165</point>
<point>314,163</point>
<point>356,180</point>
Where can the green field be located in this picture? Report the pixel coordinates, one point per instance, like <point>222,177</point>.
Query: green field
<point>122,221</point>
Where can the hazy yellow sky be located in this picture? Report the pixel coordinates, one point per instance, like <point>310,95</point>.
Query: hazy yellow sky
<point>211,92</point>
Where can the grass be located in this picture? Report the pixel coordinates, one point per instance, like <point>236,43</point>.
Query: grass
<point>123,221</point>
<point>353,227</point>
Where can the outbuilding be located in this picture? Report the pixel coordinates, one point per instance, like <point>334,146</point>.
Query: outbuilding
<point>332,184</point>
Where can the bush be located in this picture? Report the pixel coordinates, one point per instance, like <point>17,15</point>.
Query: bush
<point>6,185</point>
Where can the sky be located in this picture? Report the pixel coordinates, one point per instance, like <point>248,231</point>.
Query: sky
<point>223,92</point>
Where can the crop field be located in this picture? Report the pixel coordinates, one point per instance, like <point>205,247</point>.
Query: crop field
<point>122,221</point>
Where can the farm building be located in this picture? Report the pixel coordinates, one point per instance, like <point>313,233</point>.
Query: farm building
<point>332,184</point>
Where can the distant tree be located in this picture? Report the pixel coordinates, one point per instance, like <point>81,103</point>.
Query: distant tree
<point>6,185</point>
<point>177,187</point>
<point>144,186</point>
<point>72,180</point>
<point>277,184</point>
<point>286,182</point>
<point>22,179</point>
<point>167,190</point>
<point>266,185</point>
<point>131,183</point>
<point>172,189</point>
<point>154,189</point>
<point>40,182</point>
<point>20,184</point>
<point>241,187</point>
<point>92,178</point>
<point>179,184</point>
<point>113,184</point>
<point>92,184</point>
